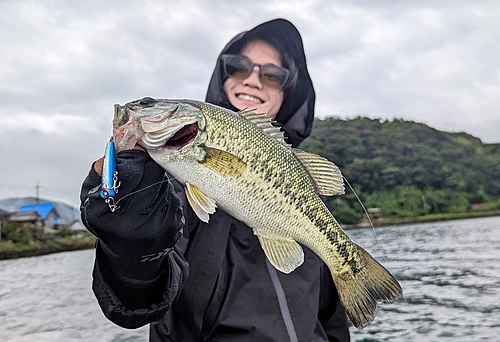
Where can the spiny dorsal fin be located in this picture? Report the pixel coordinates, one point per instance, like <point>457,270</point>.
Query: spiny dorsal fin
<point>264,122</point>
<point>202,205</point>
<point>284,254</point>
<point>326,175</point>
<point>222,162</point>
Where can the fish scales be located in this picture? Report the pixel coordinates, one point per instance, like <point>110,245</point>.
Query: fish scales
<point>240,163</point>
<point>232,136</point>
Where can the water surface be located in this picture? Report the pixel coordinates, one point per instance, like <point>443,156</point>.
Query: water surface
<point>449,272</point>
<point>450,276</point>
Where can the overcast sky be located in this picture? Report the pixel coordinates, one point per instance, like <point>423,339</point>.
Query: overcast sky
<point>65,63</point>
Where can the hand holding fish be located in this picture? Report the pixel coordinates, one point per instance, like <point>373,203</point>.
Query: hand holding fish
<point>140,236</point>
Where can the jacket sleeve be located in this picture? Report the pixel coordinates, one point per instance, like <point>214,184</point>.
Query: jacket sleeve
<point>132,304</point>
<point>139,269</point>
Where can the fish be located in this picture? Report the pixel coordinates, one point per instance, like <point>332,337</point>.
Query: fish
<point>240,163</point>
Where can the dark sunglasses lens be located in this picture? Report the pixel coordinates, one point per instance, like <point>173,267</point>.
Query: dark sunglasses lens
<point>237,67</point>
<point>273,76</point>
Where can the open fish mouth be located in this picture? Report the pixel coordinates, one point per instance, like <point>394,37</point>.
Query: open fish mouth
<point>183,136</point>
<point>173,136</point>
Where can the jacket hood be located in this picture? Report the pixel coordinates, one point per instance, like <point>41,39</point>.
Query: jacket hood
<point>296,115</point>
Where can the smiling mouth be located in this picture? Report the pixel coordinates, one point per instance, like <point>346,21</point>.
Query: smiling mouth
<point>246,97</point>
<point>182,137</point>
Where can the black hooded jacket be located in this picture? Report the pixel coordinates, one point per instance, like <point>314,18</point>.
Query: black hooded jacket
<point>217,284</point>
<point>296,114</point>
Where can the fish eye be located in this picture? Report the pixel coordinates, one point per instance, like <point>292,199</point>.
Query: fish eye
<point>147,101</point>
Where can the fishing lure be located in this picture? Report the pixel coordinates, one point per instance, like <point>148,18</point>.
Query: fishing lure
<point>109,178</point>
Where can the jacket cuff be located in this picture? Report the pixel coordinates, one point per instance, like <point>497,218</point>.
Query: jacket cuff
<point>129,317</point>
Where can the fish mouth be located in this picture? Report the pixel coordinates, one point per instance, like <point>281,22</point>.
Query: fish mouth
<point>183,136</point>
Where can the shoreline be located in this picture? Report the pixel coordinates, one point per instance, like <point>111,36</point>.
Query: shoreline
<point>382,222</point>
<point>9,250</point>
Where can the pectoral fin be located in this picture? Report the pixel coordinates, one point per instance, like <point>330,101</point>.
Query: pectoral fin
<point>224,163</point>
<point>284,254</point>
<point>202,205</point>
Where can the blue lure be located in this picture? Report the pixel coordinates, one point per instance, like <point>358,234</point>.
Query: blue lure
<point>109,178</point>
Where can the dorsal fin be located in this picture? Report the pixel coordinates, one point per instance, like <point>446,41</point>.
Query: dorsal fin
<point>326,175</point>
<point>264,122</point>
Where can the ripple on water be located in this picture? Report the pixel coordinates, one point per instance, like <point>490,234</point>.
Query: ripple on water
<point>450,278</point>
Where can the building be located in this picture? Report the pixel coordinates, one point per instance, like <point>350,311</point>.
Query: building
<point>31,210</point>
<point>41,214</point>
<point>4,214</point>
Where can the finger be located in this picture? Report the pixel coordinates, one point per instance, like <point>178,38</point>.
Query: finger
<point>98,165</point>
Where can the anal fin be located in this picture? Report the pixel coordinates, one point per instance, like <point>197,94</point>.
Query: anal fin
<point>284,254</point>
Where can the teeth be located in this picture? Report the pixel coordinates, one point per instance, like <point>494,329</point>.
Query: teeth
<point>249,98</point>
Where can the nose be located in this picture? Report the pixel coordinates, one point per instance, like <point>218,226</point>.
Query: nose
<point>253,79</point>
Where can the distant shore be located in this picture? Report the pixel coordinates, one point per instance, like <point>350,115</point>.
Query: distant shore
<point>383,221</point>
<point>85,240</point>
<point>79,241</point>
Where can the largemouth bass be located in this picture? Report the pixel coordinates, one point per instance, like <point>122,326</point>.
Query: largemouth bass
<point>240,163</point>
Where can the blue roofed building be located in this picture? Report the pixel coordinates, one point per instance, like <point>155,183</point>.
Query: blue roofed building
<point>38,211</point>
<point>41,214</point>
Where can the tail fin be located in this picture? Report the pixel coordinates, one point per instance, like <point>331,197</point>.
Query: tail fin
<point>359,292</point>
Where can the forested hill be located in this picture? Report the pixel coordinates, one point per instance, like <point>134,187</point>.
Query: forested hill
<point>407,168</point>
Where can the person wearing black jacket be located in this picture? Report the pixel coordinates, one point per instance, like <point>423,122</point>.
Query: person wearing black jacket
<point>157,263</point>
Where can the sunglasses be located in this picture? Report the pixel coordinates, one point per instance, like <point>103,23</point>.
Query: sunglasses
<point>240,67</point>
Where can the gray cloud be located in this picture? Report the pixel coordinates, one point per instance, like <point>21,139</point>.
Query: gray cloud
<point>64,64</point>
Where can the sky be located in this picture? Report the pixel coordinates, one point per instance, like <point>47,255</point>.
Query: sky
<point>65,63</point>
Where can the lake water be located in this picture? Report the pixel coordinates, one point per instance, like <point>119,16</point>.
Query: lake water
<point>449,271</point>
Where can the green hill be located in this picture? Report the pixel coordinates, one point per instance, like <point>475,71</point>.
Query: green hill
<point>407,169</point>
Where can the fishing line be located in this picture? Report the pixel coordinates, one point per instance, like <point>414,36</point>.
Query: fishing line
<point>113,206</point>
<point>381,250</point>
<point>368,216</point>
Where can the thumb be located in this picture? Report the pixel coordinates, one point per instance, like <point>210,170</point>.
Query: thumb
<point>98,165</point>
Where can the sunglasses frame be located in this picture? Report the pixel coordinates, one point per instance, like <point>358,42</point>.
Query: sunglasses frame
<point>252,65</point>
